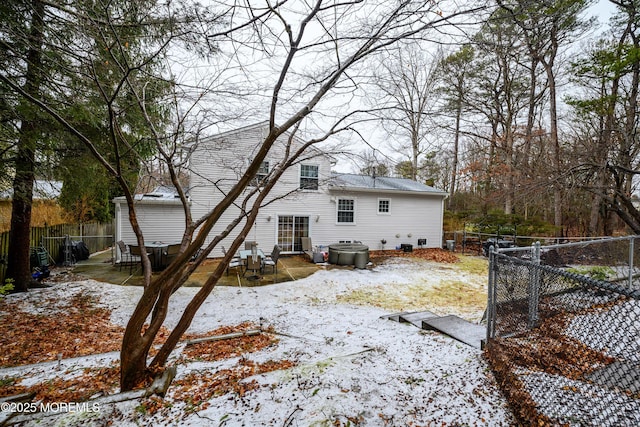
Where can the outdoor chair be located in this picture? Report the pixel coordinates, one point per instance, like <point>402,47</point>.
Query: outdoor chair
<point>272,260</point>
<point>307,248</point>
<point>249,244</point>
<point>169,254</point>
<point>136,257</point>
<point>125,255</point>
<point>196,255</point>
<point>254,263</point>
<point>235,262</point>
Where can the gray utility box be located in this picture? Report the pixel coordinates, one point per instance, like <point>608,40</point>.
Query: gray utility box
<point>451,245</point>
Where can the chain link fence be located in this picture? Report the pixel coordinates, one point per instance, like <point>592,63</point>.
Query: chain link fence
<point>563,331</point>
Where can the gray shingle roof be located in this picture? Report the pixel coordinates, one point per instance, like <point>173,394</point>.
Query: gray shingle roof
<point>381,183</point>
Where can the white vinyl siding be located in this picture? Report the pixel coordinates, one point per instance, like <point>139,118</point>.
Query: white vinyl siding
<point>218,162</point>
<point>412,217</point>
<point>163,222</point>
<point>410,214</point>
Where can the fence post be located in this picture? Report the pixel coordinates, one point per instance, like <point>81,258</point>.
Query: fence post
<point>491,295</point>
<point>631,245</point>
<point>534,285</point>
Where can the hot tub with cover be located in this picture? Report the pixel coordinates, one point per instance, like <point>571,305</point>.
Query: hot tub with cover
<point>349,254</point>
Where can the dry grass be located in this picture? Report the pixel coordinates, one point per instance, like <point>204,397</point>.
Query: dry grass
<point>458,288</point>
<point>449,296</point>
<point>454,293</point>
<point>44,212</point>
<point>474,265</point>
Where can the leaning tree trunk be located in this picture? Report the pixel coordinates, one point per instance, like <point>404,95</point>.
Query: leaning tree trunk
<point>137,339</point>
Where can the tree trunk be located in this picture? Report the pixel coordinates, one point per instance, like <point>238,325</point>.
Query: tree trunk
<point>137,339</point>
<point>19,268</point>
<point>555,142</point>
<point>133,362</point>
<point>605,138</point>
<point>415,153</point>
<point>456,148</point>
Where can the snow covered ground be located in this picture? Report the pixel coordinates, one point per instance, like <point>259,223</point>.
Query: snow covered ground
<point>351,366</point>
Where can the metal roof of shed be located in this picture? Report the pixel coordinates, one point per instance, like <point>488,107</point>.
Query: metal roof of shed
<point>42,189</point>
<point>160,195</point>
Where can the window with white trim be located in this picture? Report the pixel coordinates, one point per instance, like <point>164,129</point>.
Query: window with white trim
<point>261,175</point>
<point>308,177</point>
<point>346,211</point>
<point>384,206</point>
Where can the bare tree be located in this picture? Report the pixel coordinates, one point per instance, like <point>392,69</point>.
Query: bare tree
<point>454,71</point>
<point>310,51</point>
<point>495,103</point>
<point>374,163</point>
<point>546,27</point>
<point>407,80</point>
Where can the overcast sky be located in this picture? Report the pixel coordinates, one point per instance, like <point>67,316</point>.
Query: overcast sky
<point>229,72</point>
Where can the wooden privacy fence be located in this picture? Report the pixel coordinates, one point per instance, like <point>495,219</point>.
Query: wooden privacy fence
<point>96,236</point>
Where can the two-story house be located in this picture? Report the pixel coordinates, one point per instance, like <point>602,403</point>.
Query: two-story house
<point>308,201</point>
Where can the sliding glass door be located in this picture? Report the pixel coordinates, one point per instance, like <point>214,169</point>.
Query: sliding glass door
<point>290,229</point>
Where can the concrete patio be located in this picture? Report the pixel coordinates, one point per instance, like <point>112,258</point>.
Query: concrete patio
<point>100,267</point>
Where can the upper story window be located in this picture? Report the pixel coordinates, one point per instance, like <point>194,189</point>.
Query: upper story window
<point>384,206</point>
<point>346,211</point>
<point>261,175</point>
<point>309,177</point>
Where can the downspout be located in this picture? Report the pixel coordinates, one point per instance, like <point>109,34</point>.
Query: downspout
<point>441,220</point>
<point>118,229</point>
